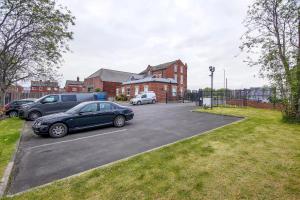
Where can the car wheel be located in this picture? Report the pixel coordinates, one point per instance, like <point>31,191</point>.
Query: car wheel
<point>119,121</point>
<point>34,115</point>
<point>13,113</point>
<point>139,103</point>
<point>58,130</point>
<point>153,101</point>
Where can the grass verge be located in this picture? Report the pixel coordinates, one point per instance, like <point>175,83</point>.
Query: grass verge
<point>9,135</point>
<point>258,158</point>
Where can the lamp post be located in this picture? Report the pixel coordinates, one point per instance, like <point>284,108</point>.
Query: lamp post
<point>212,70</point>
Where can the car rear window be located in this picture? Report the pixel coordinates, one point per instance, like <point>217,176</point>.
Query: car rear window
<point>68,98</point>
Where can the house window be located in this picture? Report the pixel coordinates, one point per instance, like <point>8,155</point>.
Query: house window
<point>145,88</point>
<point>123,90</point>
<point>175,68</point>
<point>117,91</point>
<point>181,69</point>
<point>49,88</point>
<point>128,91</point>
<point>175,77</point>
<point>181,91</point>
<point>41,88</point>
<point>165,87</point>
<point>55,89</point>
<point>181,79</point>
<point>33,88</point>
<point>74,89</point>
<point>136,90</point>
<point>174,91</point>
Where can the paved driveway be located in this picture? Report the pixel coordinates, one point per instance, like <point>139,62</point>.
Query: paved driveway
<point>42,160</point>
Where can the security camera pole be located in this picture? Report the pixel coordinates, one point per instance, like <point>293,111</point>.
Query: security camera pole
<point>212,70</point>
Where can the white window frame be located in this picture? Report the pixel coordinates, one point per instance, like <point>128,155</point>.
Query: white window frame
<point>123,90</point>
<point>165,87</point>
<point>175,77</point>
<point>174,91</point>
<point>181,69</point>
<point>136,90</point>
<point>128,91</point>
<point>117,91</point>
<point>146,88</point>
<point>175,68</point>
<point>181,79</point>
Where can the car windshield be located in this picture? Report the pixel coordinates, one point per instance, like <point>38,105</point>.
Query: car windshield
<point>74,109</point>
<point>138,96</point>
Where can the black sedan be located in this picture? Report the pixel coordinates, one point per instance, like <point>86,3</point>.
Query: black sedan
<point>85,115</point>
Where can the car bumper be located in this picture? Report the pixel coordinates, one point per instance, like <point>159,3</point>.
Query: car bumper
<point>23,114</point>
<point>129,116</point>
<point>40,129</point>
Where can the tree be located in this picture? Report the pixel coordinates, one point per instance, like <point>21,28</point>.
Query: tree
<point>33,36</point>
<point>272,41</point>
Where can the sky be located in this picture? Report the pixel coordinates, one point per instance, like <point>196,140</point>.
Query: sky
<point>130,35</point>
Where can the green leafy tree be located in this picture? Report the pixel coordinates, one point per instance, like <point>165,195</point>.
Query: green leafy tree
<point>33,36</point>
<point>273,40</point>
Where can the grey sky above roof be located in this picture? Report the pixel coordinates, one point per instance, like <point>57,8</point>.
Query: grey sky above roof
<point>136,33</point>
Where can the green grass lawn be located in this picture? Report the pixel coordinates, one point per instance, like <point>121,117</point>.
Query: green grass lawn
<point>258,158</point>
<point>9,135</point>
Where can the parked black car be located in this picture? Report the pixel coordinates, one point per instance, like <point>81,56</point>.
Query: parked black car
<point>54,103</point>
<point>12,109</point>
<point>85,115</point>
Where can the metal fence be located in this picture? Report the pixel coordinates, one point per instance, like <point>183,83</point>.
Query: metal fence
<point>259,98</point>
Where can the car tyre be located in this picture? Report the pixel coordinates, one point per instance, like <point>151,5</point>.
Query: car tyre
<point>13,113</point>
<point>58,130</point>
<point>34,115</point>
<point>153,101</point>
<point>119,121</point>
<point>139,103</point>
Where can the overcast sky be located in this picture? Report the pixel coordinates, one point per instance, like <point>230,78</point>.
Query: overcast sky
<point>129,35</point>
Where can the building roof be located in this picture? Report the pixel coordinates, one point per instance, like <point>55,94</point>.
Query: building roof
<point>44,83</point>
<point>114,75</point>
<point>151,79</point>
<point>159,67</point>
<point>71,82</point>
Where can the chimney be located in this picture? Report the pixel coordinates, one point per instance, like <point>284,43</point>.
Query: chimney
<point>77,78</point>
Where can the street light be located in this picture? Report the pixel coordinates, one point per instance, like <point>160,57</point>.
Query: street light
<point>212,70</point>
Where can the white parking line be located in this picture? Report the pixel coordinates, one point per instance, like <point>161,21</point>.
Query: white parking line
<point>82,138</point>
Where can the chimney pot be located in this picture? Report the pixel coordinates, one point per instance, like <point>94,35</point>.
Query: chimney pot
<point>77,78</point>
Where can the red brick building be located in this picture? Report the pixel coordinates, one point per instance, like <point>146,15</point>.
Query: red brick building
<point>107,80</point>
<point>44,87</point>
<point>74,86</point>
<point>167,79</point>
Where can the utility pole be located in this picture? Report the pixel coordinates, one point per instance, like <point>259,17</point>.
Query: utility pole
<point>224,89</point>
<point>212,70</point>
<point>226,92</point>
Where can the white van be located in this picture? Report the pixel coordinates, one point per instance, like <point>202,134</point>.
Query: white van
<point>144,98</point>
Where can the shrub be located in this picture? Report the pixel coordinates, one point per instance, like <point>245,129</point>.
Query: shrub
<point>121,97</point>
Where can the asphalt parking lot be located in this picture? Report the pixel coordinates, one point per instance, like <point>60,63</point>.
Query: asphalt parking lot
<point>41,160</point>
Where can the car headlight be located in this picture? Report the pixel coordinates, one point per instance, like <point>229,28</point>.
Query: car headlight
<point>39,123</point>
<point>25,107</point>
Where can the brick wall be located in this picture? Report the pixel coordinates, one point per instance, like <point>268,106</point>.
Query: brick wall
<point>74,88</point>
<point>160,89</point>
<point>110,88</point>
<point>92,84</point>
<point>254,104</point>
